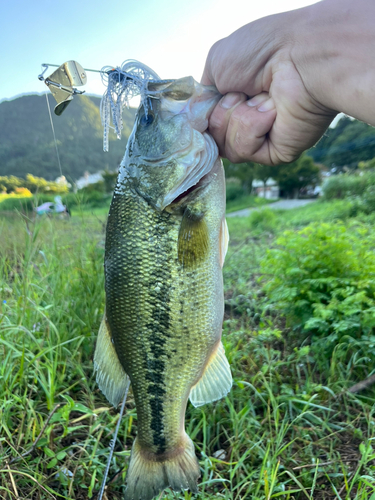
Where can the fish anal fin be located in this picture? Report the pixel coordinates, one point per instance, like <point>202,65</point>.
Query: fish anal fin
<point>110,375</point>
<point>223,240</point>
<point>148,474</point>
<point>216,380</point>
<point>193,239</point>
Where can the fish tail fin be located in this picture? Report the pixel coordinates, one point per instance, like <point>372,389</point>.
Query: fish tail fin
<point>148,474</point>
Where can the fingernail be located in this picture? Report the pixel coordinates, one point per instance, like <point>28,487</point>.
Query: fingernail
<point>258,99</point>
<point>230,99</point>
<point>267,106</point>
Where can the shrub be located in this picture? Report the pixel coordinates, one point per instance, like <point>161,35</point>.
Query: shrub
<point>233,191</point>
<point>263,220</point>
<point>323,279</point>
<point>345,185</point>
<point>23,204</point>
<point>95,187</point>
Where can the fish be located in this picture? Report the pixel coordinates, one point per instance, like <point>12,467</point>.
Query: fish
<point>166,240</point>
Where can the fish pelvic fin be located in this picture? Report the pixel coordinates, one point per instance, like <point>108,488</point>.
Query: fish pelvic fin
<point>223,241</point>
<point>216,380</point>
<point>149,474</point>
<point>110,375</point>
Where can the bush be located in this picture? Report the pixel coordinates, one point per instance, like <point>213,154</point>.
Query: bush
<point>323,279</point>
<point>23,204</point>
<point>95,187</point>
<point>233,191</point>
<point>347,185</point>
<point>263,220</point>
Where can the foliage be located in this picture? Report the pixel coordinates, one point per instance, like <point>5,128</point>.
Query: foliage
<point>233,191</point>
<point>296,175</point>
<point>95,187</point>
<point>109,179</point>
<point>40,185</point>
<point>21,197</point>
<point>367,165</point>
<point>346,185</point>
<point>27,143</point>
<point>348,143</point>
<point>244,202</point>
<point>323,279</point>
<point>81,200</point>
<point>282,431</point>
<point>243,171</point>
<point>32,184</point>
<point>263,220</point>
<point>264,172</point>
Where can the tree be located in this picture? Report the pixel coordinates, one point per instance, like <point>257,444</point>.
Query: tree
<point>346,144</point>
<point>263,173</point>
<point>296,175</point>
<point>242,171</point>
<point>109,179</point>
<point>367,165</point>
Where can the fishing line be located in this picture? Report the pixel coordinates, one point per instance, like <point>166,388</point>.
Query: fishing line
<point>113,442</point>
<point>54,135</point>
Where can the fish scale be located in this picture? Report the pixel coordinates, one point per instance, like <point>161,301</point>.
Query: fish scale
<point>153,317</point>
<point>165,246</point>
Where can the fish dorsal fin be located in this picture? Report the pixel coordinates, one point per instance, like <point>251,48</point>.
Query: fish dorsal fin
<point>110,375</point>
<point>216,380</point>
<point>223,241</point>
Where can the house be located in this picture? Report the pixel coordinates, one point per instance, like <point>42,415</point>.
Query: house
<point>88,179</point>
<point>271,191</point>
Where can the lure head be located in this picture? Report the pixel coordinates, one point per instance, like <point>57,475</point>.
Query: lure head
<point>168,153</point>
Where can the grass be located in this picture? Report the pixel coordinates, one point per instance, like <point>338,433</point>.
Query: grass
<point>286,430</point>
<point>247,201</point>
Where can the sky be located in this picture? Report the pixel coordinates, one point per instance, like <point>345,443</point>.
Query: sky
<point>172,37</point>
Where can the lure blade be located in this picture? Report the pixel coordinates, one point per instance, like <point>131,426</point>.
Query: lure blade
<point>61,82</point>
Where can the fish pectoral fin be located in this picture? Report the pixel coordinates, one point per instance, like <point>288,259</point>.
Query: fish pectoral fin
<point>110,375</point>
<point>216,380</point>
<point>223,241</point>
<point>193,239</point>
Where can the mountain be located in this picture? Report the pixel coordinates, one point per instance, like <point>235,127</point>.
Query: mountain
<point>27,144</point>
<point>348,143</point>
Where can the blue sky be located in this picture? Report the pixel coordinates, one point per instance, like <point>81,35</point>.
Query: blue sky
<point>172,37</point>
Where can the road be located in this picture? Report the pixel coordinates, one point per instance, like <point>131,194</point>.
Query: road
<point>278,205</point>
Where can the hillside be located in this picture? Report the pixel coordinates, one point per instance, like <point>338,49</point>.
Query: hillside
<point>27,144</point>
<point>348,143</point>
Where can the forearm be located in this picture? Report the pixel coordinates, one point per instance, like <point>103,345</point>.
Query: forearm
<point>334,53</point>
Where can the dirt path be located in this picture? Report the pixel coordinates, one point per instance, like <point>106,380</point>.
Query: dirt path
<point>278,205</point>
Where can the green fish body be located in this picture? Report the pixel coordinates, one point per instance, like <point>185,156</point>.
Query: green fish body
<point>165,246</point>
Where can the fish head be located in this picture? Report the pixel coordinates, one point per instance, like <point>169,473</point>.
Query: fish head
<point>169,151</point>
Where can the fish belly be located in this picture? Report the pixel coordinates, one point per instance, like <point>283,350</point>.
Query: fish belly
<point>165,318</point>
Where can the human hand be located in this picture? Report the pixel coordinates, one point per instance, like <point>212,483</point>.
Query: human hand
<point>277,76</point>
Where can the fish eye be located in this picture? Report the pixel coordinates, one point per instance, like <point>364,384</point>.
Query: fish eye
<point>147,120</point>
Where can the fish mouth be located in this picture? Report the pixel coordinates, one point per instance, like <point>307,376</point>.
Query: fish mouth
<point>185,95</point>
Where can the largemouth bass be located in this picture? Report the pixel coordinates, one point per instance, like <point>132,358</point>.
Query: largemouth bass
<point>165,246</point>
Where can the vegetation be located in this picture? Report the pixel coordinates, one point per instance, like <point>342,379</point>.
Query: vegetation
<point>27,143</point>
<point>298,332</point>
<point>31,184</point>
<point>347,144</point>
<point>291,178</point>
<point>297,175</point>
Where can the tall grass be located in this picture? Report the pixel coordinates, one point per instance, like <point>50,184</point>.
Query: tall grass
<point>280,433</point>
